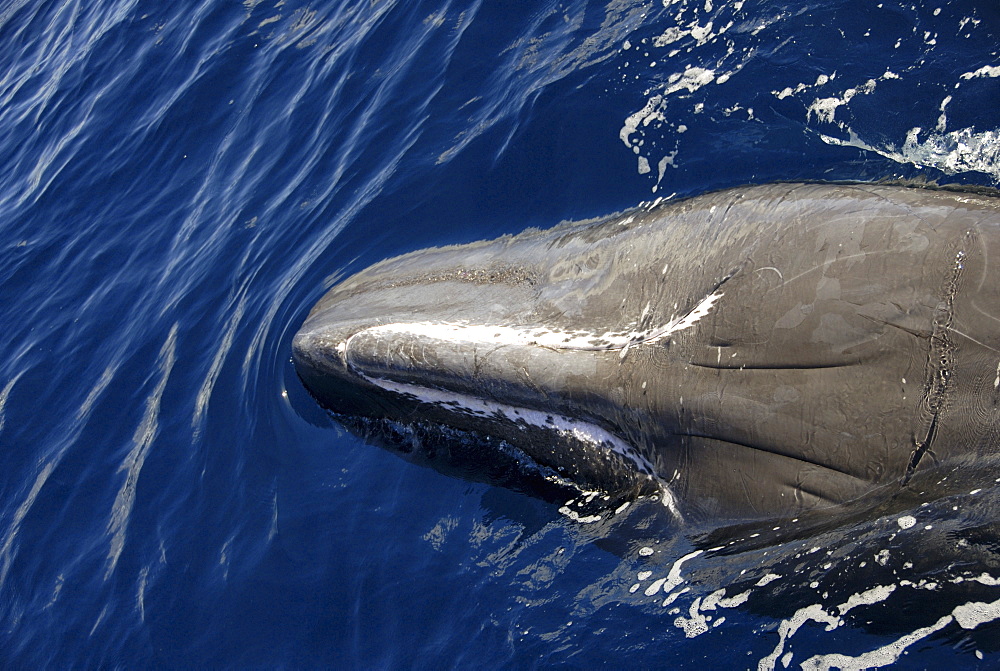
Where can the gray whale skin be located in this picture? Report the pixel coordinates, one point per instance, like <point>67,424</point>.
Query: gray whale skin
<point>752,352</point>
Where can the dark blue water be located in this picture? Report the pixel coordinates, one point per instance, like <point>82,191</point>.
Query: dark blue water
<point>180,182</point>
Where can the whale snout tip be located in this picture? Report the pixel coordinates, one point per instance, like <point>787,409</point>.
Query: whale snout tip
<point>312,349</point>
<point>318,355</point>
<point>331,339</point>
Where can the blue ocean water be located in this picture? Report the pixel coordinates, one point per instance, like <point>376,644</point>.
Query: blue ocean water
<point>180,182</point>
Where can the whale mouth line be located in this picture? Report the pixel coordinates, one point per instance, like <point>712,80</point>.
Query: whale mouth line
<point>566,427</point>
<point>582,431</point>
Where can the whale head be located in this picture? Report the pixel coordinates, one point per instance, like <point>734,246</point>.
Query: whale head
<point>452,357</point>
<point>740,354</point>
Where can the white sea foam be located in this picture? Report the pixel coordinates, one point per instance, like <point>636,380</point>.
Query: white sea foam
<point>971,615</point>
<point>673,577</point>
<point>698,31</point>
<point>985,71</point>
<point>884,656</point>
<point>953,152</point>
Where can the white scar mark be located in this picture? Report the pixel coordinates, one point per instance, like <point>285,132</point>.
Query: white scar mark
<point>542,337</point>
<point>819,266</point>
<point>780,276</point>
<point>966,335</point>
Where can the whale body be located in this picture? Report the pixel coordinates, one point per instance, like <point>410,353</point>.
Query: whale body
<point>749,352</point>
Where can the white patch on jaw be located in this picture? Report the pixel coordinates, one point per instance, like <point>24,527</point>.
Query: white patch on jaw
<point>550,339</point>
<point>564,426</point>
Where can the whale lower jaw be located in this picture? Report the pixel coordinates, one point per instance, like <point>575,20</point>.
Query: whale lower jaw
<point>588,438</point>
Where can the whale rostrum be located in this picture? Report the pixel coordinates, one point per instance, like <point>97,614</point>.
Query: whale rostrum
<point>750,352</point>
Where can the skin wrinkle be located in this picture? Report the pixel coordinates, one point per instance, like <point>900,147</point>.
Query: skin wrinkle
<point>729,207</point>
<point>812,366</point>
<point>748,494</point>
<point>938,383</point>
<point>984,250</point>
<point>800,489</point>
<point>875,194</point>
<point>915,334</point>
<point>760,448</point>
<point>923,449</point>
